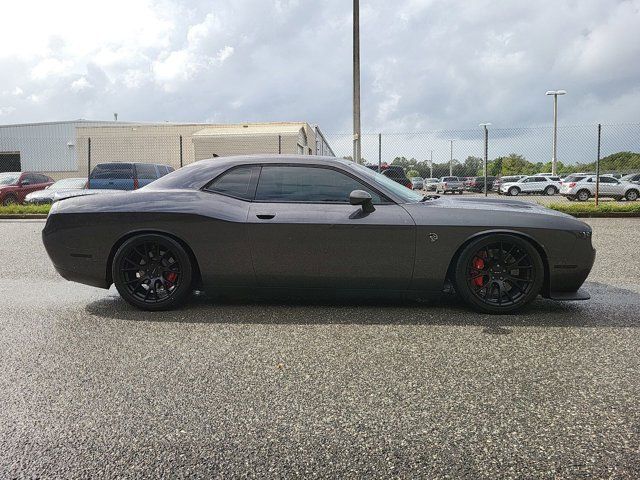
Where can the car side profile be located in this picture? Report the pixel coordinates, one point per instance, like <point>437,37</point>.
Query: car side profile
<point>125,175</point>
<point>532,184</point>
<point>15,186</point>
<point>313,224</point>
<point>582,188</point>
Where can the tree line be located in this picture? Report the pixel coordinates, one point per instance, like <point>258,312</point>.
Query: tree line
<point>515,164</point>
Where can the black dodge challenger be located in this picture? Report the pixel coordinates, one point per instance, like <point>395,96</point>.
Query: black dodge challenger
<point>314,224</point>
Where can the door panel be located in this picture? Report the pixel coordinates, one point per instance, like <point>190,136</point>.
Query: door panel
<point>310,245</point>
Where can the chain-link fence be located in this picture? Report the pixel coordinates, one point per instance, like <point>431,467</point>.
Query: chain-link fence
<point>100,151</point>
<point>511,151</point>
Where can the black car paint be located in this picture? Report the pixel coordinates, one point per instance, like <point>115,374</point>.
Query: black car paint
<point>406,247</point>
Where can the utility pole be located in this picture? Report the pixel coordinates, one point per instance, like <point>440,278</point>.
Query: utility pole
<point>451,158</point>
<point>356,82</point>
<point>486,154</point>
<point>431,164</point>
<point>554,158</point>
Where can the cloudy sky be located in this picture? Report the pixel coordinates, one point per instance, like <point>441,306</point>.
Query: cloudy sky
<point>426,64</point>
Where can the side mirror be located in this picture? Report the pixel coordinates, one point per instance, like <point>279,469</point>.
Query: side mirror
<point>360,197</point>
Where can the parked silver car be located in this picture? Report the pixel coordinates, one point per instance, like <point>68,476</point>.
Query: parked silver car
<point>583,188</point>
<point>431,184</point>
<point>47,195</point>
<point>417,182</point>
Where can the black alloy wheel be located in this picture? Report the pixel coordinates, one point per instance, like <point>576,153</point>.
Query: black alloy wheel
<point>152,272</point>
<point>499,273</point>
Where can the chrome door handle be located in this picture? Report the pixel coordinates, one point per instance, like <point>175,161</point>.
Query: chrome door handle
<point>265,216</point>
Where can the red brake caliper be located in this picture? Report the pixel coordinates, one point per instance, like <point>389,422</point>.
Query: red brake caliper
<point>171,277</point>
<point>478,264</point>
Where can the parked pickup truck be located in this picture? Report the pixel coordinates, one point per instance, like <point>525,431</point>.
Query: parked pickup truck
<point>450,184</point>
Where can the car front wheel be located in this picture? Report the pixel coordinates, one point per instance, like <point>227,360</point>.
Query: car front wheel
<point>152,272</point>
<point>499,273</point>
<point>631,196</point>
<point>9,200</point>
<point>550,191</point>
<point>514,191</point>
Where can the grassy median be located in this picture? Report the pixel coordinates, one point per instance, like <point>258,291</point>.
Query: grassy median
<point>590,207</point>
<point>24,209</point>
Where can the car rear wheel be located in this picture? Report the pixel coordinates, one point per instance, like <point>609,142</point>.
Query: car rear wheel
<point>9,200</point>
<point>632,195</point>
<point>583,195</point>
<point>514,191</point>
<point>550,191</point>
<point>499,273</point>
<point>152,272</point>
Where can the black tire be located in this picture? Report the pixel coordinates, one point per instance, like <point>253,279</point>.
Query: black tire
<point>152,272</point>
<point>631,195</point>
<point>514,191</point>
<point>583,195</point>
<point>550,190</point>
<point>485,275</point>
<point>9,200</point>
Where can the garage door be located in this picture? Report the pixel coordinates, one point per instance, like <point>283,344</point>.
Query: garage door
<point>10,162</point>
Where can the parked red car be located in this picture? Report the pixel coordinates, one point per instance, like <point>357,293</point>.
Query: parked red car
<point>14,186</point>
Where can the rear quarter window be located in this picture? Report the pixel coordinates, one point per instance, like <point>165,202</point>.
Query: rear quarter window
<point>113,170</point>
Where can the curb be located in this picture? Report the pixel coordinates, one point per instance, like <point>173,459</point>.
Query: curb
<point>604,214</point>
<point>23,216</point>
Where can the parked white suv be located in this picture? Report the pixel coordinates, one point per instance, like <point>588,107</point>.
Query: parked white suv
<point>582,188</point>
<point>547,185</point>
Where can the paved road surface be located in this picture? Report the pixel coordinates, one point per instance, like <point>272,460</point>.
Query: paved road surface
<point>91,388</point>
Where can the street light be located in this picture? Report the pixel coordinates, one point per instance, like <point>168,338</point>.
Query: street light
<point>357,141</point>
<point>554,158</point>
<point>486,153</point>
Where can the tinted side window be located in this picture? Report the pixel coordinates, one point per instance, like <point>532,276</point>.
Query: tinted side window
<point>238,182</point>
<point>308,184</point>
<point>608,180</point>
<point>146,171</point>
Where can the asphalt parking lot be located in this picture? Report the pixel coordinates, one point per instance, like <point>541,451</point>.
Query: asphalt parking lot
<point>90,387</point>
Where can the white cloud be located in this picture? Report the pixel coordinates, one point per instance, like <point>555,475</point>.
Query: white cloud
<point>7,110</point>
<point>80,84</point>
<point>49,67</point>
<point>426,64</point>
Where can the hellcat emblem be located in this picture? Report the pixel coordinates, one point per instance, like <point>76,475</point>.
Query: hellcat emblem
<point>433,237</point>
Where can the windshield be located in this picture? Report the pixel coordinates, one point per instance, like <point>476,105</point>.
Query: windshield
<point>68,183</point>
<point>401,191</point>
<point>9,178</point>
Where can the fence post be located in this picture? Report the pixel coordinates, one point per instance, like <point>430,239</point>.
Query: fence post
<point>379,152</point>
<point>88,161</point>
<point>180,151</point>
<point>598,165</point>
<point>279,144</point>
<point>486,156</point>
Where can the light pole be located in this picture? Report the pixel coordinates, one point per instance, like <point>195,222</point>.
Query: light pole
<point>554,158</point>
<point>486,153</point>
<point>356,82</point>
<point>431,164</point>
<point>451,158</point>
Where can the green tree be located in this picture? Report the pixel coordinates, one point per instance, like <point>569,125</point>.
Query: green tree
<point>515,164</point>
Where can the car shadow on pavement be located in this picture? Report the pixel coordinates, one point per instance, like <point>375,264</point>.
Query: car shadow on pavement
<point>609,307</point>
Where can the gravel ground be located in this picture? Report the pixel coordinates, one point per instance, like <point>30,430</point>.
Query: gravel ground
<point>91,388</point>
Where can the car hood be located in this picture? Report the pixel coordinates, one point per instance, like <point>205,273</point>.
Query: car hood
<point>43,193</point>
<point>491,212</point>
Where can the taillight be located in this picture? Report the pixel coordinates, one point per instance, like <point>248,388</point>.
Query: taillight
<point>410,185</point>
<point>135,184</point>
<point>572,184</point>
